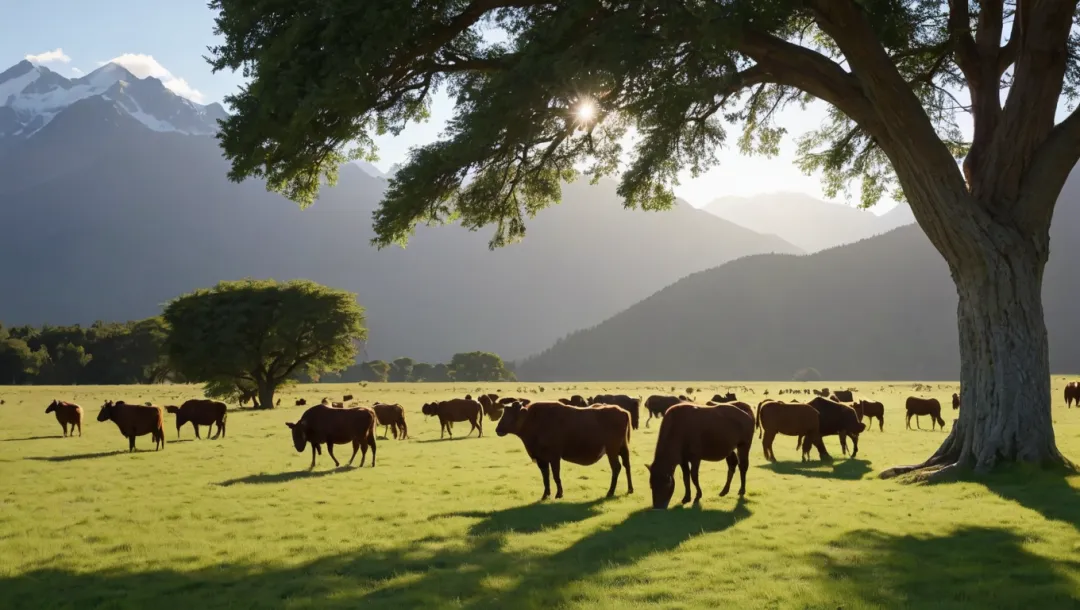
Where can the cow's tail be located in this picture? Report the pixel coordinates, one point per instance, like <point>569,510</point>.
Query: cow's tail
<point>224,416</point>
<point>757,420</point>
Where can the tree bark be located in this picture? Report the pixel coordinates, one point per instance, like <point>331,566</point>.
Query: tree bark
<point>266,395</point>
<point>1004,357</point>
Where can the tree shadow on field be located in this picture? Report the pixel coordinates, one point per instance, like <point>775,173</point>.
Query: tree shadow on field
<point>448,439</point>
<point>973,567</point>
<point>848,470</point>
<point>30,438</point>
<point>76,456</point>
<point>470,572</point>
<point>282,477</point>
<point>1051,493</point>
<point>530,518</point>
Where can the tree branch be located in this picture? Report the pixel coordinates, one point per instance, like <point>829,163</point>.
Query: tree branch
<point>967,54</point>
<point>1050,168</point>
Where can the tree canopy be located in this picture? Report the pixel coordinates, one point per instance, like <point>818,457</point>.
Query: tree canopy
<point>479,366</point>
<point>258,334</point>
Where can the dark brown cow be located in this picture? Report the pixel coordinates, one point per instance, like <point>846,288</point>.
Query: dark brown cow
<point>346,398</point>
<point>791,419</point>
<point>917,406</point>
<point>491,406</point>
<point>871,409</point>
<point>727,397</point>
<point>1072,394</point>
<point>837,419</point>
<point>843,396</point>
<point>300,402</point>
<point>657,405</point>
<point>135,420</point>
<point>552,432</point>
<point>691,433</point>
<point>68,414</point>
<point>322,424</point>
<point>457,409</point>
<point>200,413</point>
<point>955,401</point>
<point>575,401</point>
<point>630,404</point>
<point>393,417</point>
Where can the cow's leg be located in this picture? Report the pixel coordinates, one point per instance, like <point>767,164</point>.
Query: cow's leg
<point>355,448</point>
<point>917,424</point>
<point>881,423</point>
<point>766,445</point>
<point>131,443</point>
<point>63,426</point>
<point>80,429</point>
<point>556,473</point>
<point>854,445</point>
<point>624,454</point>
<point>695,466</point>
<point>543,466</point>
<point>330,450</point>
<point>744,464</point>
<point>649,419</point>
<point>823,454</point>
<point>363,449</point>
<point>732,463</point>
<point>843,443</point>
<point>685,468</point>
<point>314,448</point>
<point>907,421</point>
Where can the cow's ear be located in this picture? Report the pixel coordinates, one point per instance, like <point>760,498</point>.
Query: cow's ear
<point>290,424</point>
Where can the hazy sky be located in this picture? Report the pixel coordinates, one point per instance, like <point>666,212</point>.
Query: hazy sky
<point>169,39</point>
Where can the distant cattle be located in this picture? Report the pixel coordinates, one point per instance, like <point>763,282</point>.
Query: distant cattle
<point>691,433</point>
<point>630,404</point>
<point>955,401</point>
<point>300,402</point>
<point>575,401</point>
<point>393,417</point>
<point>491,406</point>
<point>1072,394</point>
<point>552,432</point>
<point>200,413</point>
<point>657,405</point>
<point>346,398</point>
<point>843,396</point>
<point>727,397</point>
<point>837,419</point>
<point>454,410</point>
<point>67,414</point>
<point>871,409</point>
<point>791,419</point>
<point>322,424</point>
<point>135,420</point>
<point>823,392</point>
<point>917,406</point>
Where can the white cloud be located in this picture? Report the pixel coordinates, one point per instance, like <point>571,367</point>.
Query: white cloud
<point>47,57</point>
<point>144,66</point>
<point>77,72</point>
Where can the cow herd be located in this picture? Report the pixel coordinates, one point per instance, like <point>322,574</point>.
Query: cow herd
<point>576,429</point>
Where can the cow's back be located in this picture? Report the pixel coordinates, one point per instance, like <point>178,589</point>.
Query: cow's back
<point>706,432</point>
<point>138,419</point>
<point>791,418</point>
<point>202,411</point>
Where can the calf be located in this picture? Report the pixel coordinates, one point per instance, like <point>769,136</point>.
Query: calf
<point>392,416</point>
<point>322,424</point>
<point>135,420</point>
<point>871,409</point>
<point>552,432</point>
<point>1072,394</point>
<point>457,409</point>
<point>67,414</point>
<point>629,404</point>
<point>200,413</point>
<point>917,406</point>
<point>657,405</point>
<point>689,434</point>
<point>791,419</point>
<point>838,419</point>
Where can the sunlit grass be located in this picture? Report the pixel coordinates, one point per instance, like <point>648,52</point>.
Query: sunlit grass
<point>240,522</point>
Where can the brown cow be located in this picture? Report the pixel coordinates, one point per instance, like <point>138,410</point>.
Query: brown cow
<point>300,402</point>
<point>552,432</point>
<point>727,397</point>
<point>68,414</point>
<point>955,401</point>
<point>838,419</point>
<point>575,401</point>
<point>924,406</point>
<point>842,396</point>
<point>792,419</point>
<point>135,420</point>
<point>629,404</point>
<point>392,416</point>
<point>491,406</point>
<point>346,398</point>
<point>871,409</point>
<point>322,424</point>
<point>691,433</point>
<point>657,405</point>
<point>200,413</point>
<point>1072,393</point>
<point>457,409</point>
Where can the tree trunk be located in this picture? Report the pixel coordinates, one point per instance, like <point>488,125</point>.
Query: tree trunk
<point>1004,358</point>
<point>266,395</point>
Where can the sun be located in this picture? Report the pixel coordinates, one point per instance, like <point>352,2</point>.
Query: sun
<point>586,111</point>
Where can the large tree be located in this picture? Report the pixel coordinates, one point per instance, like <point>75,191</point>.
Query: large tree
<point>258,334</point>
<point>479,366</point>
<point>564,82</point>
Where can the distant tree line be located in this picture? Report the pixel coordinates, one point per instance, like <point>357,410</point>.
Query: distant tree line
<point>468,366</point>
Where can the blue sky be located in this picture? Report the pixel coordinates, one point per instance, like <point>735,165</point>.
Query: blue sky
<point>169,40</point>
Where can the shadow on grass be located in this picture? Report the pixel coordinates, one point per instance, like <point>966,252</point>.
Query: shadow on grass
<point>849,470</point>
<point>30,438</point>
<point>282,477</point>
<point>1047,492</point>
<point>478,573</point>
<point>448,439</point>
<point>530,518</point>
<point>974,567</point>
<point>77,456</point>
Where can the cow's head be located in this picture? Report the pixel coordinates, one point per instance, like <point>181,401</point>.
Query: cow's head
<point>106,412</point>
<point>299,435</point>
<point>429,409</point>
<point>513,417</point>
<point>52,407</point>
<point>662,483</point>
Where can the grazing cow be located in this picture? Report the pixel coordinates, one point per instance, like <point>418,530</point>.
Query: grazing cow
<point>457,409</point>
<point>629,404</point>
<point>871,409</point>
<point>955,401</point>
<point>322,424</point>
<point>1072,394</point>
<point>552,432</point>
<point>135,420</point>
<point>691,433</point>
<point>68,414</point>
<point>200,413</point>
<point>838,419</point>
<point>491,406</point>
<point>300,402</point>
<point>842,396</point>
<point>727,397</point>
<point>657,405</point>
<point>392,416</point>
<point>924,406</point>
<point>791,419</point>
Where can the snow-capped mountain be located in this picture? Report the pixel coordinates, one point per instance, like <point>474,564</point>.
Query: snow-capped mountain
<point>31,96</point>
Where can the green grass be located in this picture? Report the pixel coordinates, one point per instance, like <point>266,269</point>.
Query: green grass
<point>240,522</point>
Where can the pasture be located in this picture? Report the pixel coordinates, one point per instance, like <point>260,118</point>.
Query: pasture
<point>241,522</point>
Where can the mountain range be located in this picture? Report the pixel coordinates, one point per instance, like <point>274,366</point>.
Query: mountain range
<point>116,200</point>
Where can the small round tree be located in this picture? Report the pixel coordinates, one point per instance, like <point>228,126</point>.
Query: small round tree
<point>257,334</point>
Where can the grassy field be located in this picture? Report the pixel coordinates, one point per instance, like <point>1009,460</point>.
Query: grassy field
<point>241,523</point>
